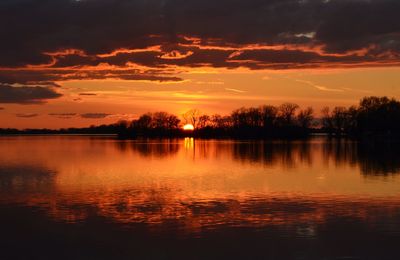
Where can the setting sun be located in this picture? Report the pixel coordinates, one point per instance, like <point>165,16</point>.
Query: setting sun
<point>188,127</point>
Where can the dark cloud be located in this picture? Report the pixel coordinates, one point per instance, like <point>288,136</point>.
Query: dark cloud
<point>95,115</point>
<point>26,94</point>
<point>26,115</point>
<point>48,76</point>
<point>71,35</point>
<point>63,115</point>
<point>2,108</point>
<point>87,94</point>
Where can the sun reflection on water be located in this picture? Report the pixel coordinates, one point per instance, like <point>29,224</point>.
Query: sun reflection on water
<point>189,143</point>
<point>251,184</point>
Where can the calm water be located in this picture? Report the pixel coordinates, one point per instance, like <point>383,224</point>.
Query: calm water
<point>96,197</point>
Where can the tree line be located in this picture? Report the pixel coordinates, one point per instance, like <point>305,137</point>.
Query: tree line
<point>372,116</point>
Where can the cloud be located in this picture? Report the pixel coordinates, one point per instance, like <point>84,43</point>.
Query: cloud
<point>175,55</point>
<point>47,76</point>
<point>26,115</point>
<point>235,90</point>
<point>320,87</point>
<point>63,115</point>
<point>26,94</point>
<point>95,115</point>
<point>156,39</point>
<point>2,108</point>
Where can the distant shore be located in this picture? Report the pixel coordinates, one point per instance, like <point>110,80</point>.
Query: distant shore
<point>376,118</point>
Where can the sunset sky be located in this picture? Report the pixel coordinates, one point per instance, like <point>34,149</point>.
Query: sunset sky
<point>73,63</point>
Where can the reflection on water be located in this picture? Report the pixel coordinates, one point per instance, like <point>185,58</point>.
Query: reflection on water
<point>319,189</point>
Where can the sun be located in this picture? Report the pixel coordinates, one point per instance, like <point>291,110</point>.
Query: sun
<point>188,127</point>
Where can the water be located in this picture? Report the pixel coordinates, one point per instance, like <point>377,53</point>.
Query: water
<point>99,198</point>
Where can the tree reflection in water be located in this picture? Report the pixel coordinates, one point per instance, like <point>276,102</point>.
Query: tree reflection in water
<point>227,197</point>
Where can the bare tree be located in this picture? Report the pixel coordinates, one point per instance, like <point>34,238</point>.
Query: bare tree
<point>287,112</point>
<point>192,117</point>
<point>216,121</point>
<point>268,114</point>
<point>160,120</point>
<point>326,118</point>
<point>339,118</point>
<point>239,117</point>
<point>305,117</point>
<point>144,121</point>
<point>203,121</point>
<point>172,122</point>
<point>254,117</point>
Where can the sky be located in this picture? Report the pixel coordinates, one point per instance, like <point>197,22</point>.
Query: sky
<point>75,63</point>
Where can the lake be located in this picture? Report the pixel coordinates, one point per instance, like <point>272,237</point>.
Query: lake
<point>94,197</point>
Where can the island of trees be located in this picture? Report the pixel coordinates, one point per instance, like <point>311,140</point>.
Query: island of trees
<point>373,116</point>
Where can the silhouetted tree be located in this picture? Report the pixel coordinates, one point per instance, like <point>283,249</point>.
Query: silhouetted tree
<point>192,117</point>
<point>339,117</point>
<point>351,122</point>
<point>216,121</point>
<point>379,115</point>
<point>305,117</point>
<point>159,120</point>
<point>221,122</point>
<point>254,117</point>
<point>144,121</point>
<point>173,122</point>
<point>268,115</point>
<point>326,120</point>
<point>287,113</point>
<point>204,120</point>
<point>239,118</point>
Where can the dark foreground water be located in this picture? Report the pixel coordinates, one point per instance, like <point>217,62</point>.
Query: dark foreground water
<point>99,198</point>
